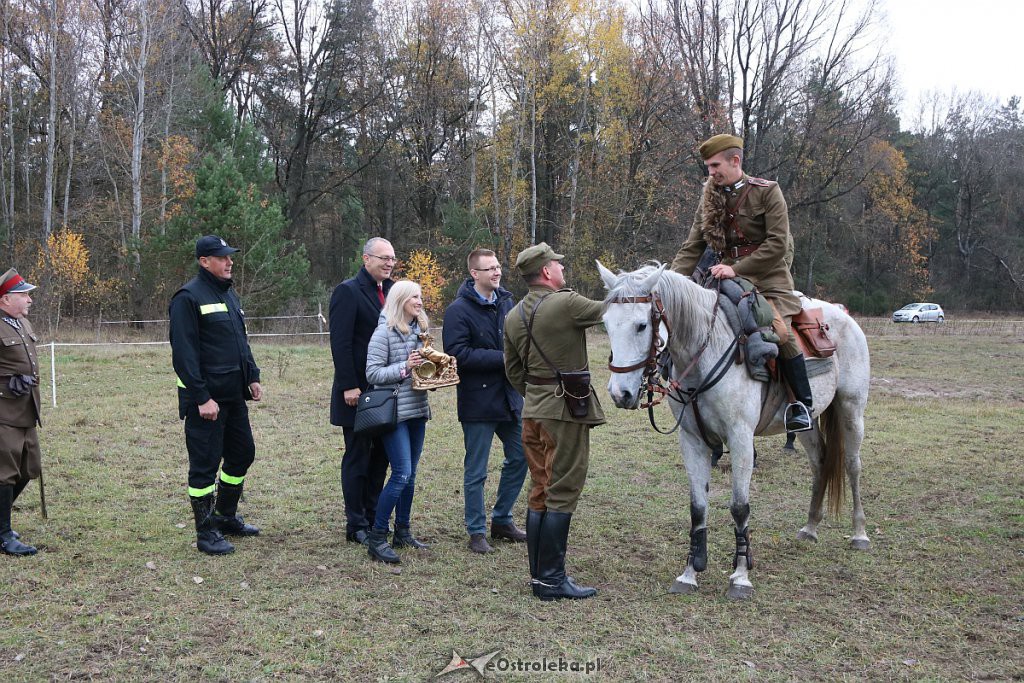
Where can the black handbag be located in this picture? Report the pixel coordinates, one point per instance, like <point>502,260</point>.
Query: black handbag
<point>376,412</point>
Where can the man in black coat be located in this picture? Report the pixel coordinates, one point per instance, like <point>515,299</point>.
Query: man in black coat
<point>488,405</point>
<point>355,307</point>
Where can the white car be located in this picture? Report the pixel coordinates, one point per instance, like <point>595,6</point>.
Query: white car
<point>919,313</point>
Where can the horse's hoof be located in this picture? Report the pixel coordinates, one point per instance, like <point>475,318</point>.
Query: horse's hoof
<point>860,544</point>
<point>806,536</point>
<point>683,588</point>
<point>739,592</point>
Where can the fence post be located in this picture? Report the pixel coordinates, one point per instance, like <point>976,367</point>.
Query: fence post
<point>320,321</point>
<point>53,372</point>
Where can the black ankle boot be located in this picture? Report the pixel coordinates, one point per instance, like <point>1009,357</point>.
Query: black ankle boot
<point>225,514</point>
<point>9,542</point>
<point>404,539</point>
<point>798,413</point>
<point>552,583</point>
<point>533,520</point>
<point>379,549</point>
<point>209,539</point>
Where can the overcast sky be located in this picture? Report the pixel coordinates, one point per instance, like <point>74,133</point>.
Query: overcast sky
<point>970,45</point>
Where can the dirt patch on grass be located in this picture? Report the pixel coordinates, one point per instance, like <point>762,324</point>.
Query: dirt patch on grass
<point>927,388</point>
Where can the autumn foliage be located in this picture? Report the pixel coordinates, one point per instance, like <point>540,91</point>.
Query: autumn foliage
<point>423,268</point>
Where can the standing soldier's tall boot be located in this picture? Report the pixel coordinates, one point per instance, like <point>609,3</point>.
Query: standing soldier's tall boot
<point>552,583</point>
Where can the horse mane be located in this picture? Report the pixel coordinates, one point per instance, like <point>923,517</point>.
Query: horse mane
<point>688,306</point>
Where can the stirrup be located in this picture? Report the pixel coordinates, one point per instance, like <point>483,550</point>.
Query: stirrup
<point>798,418</point>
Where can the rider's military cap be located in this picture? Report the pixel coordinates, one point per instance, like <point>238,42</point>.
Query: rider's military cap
<point>719,143</point>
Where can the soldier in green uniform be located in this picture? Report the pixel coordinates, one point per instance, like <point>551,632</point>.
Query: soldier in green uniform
<point>556,439</point>
<point>20,458</point>
<point>745,222</point>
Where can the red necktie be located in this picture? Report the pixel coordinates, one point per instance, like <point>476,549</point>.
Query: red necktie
<point>380,294</point>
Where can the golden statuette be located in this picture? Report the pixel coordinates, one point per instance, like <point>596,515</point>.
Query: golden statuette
<point>438,369</point>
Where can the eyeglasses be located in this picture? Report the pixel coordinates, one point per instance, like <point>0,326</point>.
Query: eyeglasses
<point>385,259</point>
<point>496,269</point>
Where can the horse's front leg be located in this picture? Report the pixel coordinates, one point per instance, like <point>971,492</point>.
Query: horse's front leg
<point>697,458</point>
<point>740,587</point>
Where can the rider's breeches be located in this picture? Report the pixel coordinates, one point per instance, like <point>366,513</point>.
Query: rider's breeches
<point>782,308</point>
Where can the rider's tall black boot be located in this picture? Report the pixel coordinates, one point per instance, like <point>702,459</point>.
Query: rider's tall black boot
<point>552,583</point>
<point>209,539</point>
<point>9,543</point>
<point>533,520</point>
<point>225,514</point>
<point>798,413</point>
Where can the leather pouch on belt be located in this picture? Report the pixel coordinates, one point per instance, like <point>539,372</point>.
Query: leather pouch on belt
<point>576,391</point>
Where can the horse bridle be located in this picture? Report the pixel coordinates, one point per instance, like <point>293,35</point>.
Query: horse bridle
<point>651,366</point>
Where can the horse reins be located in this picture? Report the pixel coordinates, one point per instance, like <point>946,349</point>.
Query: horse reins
<point>651,376</point>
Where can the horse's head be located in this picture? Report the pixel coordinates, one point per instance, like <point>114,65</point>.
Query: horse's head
<point>630,330</point>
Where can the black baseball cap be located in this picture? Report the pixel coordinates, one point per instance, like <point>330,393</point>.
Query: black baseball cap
<point>211,245</point>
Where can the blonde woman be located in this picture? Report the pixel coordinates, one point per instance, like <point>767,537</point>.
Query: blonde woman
<point>391,356</point>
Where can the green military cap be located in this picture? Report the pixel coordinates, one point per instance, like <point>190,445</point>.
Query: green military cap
<point>719,143</point>
<point>12,282</point>
<point>532,259</point>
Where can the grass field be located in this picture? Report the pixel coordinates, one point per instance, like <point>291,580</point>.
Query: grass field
<point>118,591</point>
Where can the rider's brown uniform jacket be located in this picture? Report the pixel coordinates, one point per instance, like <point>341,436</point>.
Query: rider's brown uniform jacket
<point>763,218</point>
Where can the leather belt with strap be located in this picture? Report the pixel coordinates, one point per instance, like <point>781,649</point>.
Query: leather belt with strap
<point>531,379</point>
<point>741,250</point>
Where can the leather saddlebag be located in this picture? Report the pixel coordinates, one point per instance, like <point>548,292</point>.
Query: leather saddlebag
<point>813,330</point>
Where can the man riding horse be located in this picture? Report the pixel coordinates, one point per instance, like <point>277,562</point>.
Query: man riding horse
<point>745,222</point>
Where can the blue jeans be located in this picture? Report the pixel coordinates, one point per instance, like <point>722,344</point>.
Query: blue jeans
<point>478,437</point>
<point>403,446</point>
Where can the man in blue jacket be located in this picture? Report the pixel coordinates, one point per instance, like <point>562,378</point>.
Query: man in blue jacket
<point>355,306</point>
<point>487,403</point>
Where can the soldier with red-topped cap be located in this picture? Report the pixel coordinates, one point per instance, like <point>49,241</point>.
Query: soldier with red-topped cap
<point>216,376</point>
<point>20,458</point>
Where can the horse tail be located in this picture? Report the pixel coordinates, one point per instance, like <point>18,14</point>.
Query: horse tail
<point>833,464</point>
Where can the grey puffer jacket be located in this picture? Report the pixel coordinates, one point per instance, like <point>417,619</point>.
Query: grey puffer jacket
<point>386,358</point>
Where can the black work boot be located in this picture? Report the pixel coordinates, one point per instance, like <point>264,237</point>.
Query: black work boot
<point>9,542</point>
<point>798,413</point>
<point>533,520</point>
<point>551,582</point>
<point>379,549</point>
<point>225,514</point>
<point>404,539</point>
<point>209,539</point>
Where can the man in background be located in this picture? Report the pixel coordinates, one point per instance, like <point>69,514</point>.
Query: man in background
<point>355,307</point>
<point>216,376</point>
<point>488,405</point>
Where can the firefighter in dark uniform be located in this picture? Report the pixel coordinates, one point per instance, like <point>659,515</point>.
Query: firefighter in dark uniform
<point>745,222</point>
<point>216,375</point>
<point>556,443</point>
<point>20,458</point>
